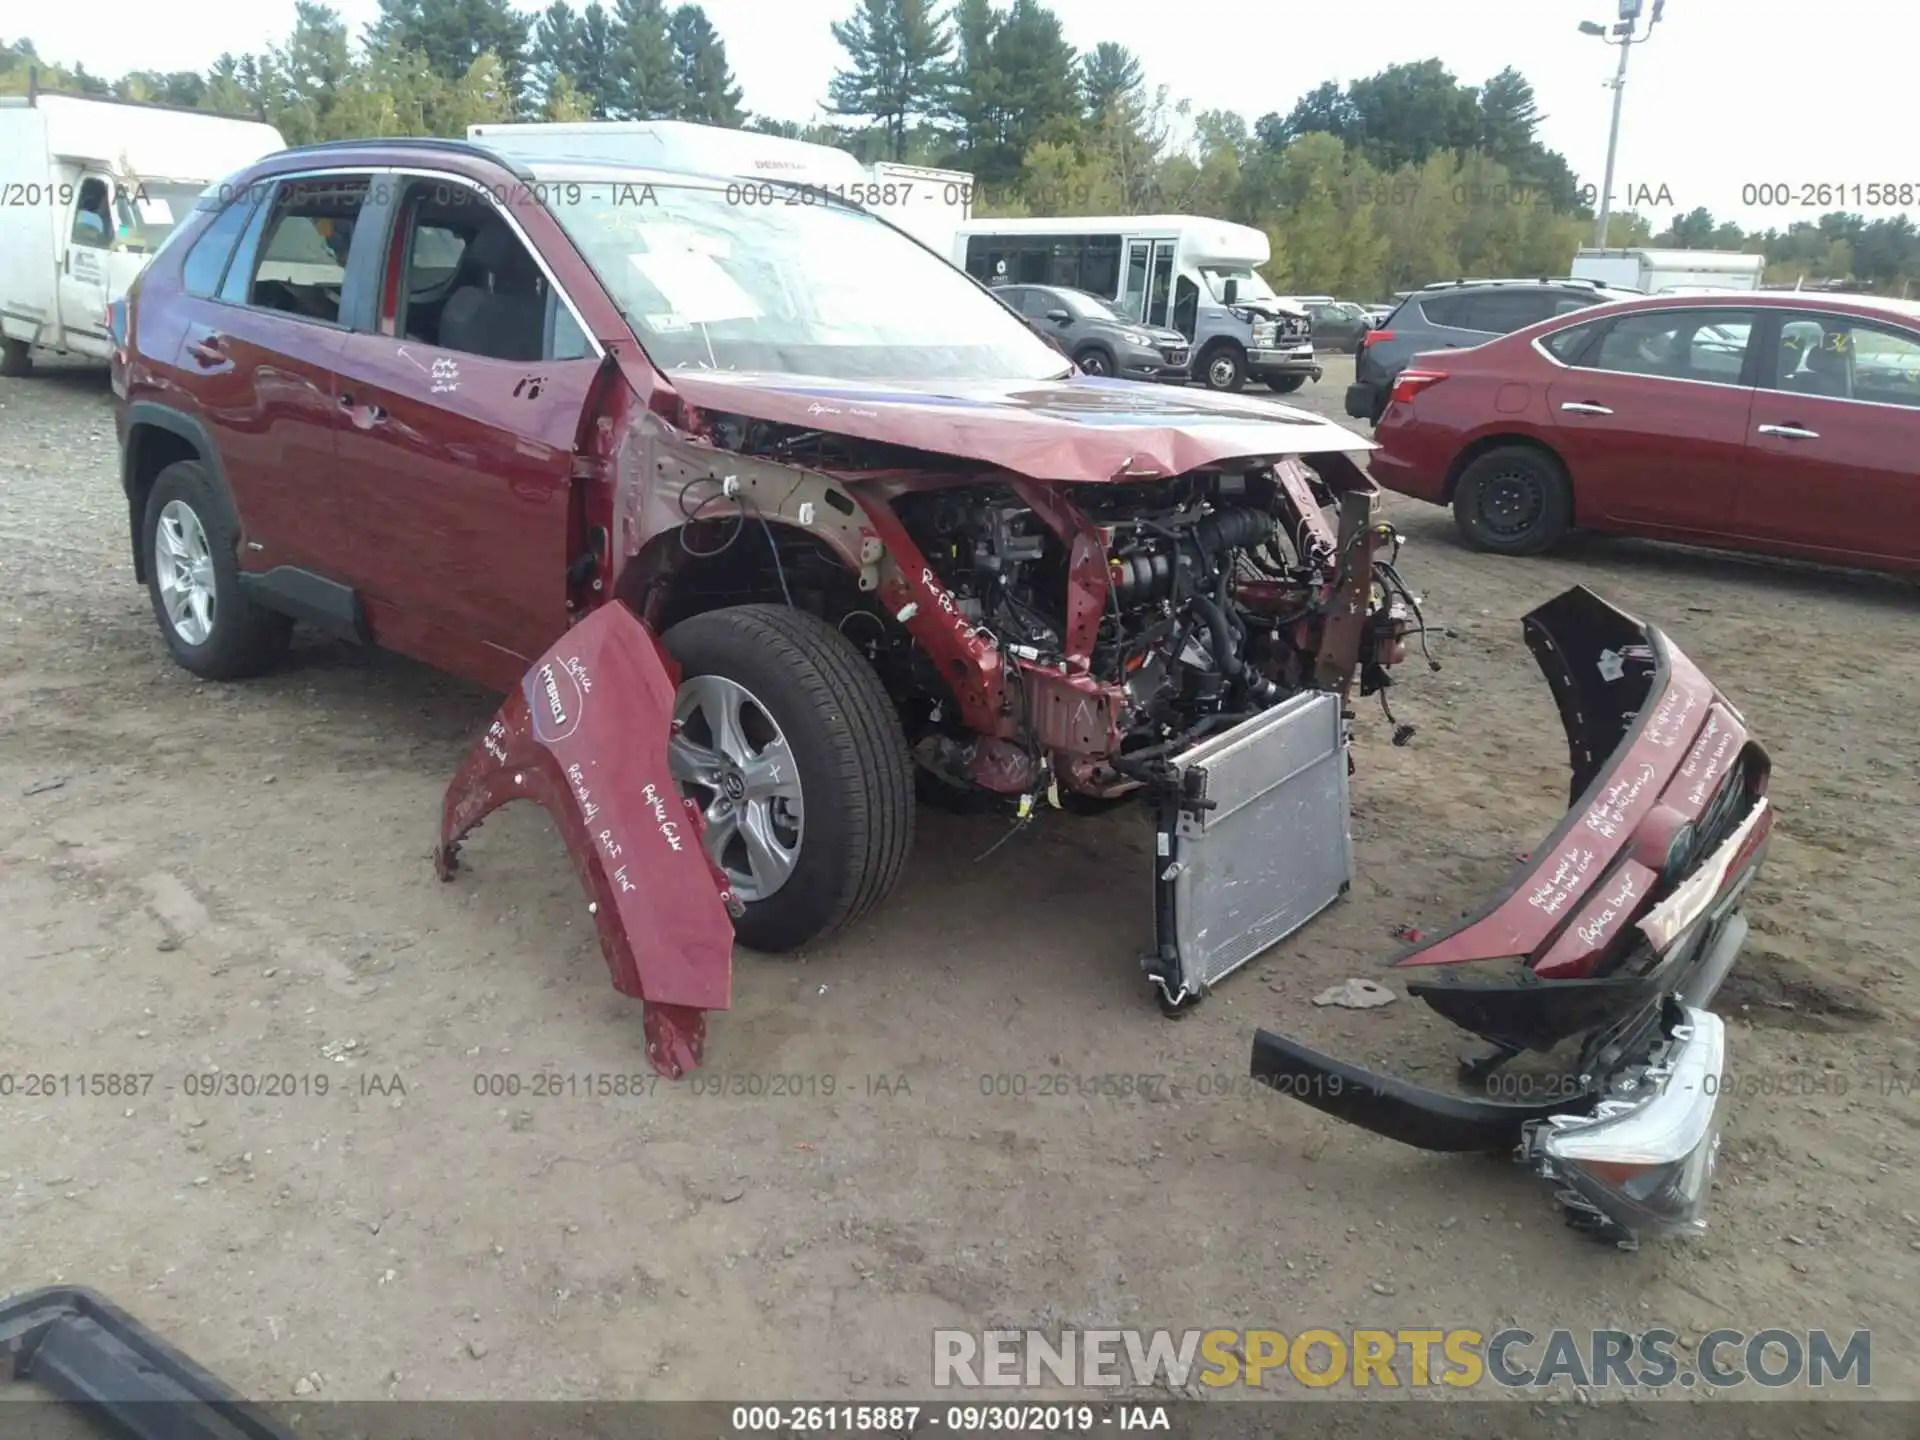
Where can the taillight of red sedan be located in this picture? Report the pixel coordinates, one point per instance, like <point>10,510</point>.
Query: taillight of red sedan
<point>1410,383</point>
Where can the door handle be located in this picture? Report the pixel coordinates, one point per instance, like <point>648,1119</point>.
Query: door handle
<point>367,415</point>
<point>1790,432</point>
<point>1585,407</point>
<point>208,349</point>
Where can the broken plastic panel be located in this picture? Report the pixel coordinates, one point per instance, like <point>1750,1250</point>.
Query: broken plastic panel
<point>586,737</point>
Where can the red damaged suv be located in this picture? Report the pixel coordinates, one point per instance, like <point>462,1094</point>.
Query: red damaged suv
<point>767,518</point>
<point>1781,422</point>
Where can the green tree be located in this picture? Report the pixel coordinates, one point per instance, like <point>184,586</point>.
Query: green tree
<point>178,87</point>
<point>707,88</point>
<point>452,34</point>
<point>645,82</point>
<point>301,80</point>
<point>895,52</point>
<point>1110,79</point>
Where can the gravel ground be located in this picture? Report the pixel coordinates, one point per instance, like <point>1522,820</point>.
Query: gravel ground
<point>197,877</point>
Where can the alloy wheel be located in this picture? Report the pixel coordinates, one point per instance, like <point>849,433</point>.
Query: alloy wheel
<point>183,563</point>
<point>729,756</point>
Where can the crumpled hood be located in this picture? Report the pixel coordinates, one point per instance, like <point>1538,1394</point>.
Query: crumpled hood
<point>1082,428</point>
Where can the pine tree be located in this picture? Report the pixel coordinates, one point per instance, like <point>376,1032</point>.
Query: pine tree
<point>707,89</point>
<point>452,34</point>
<point>895,50</point>
<point>644,83</point>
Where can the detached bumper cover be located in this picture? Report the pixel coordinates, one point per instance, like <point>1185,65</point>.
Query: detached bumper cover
<point>80,1347</point>
<point>1616,932</point>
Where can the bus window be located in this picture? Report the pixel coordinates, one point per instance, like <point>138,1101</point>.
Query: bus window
<point>1100,266</point>
<point>1134,298</point>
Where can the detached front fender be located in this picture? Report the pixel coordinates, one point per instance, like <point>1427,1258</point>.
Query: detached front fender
<point>585,736</point>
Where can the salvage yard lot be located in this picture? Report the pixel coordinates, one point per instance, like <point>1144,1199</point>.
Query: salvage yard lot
<point>924,1122</point>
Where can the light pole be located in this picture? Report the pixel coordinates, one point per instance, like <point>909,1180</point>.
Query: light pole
<point>1620,34</point>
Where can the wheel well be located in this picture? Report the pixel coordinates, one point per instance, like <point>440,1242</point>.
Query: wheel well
<point>150,449</point>
<point>737,560</point>
<point>1222,342</point>
<point>1497,442</point>
<point>1092,347</point>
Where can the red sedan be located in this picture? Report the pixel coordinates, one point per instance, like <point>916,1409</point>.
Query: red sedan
<point>1782,422</point>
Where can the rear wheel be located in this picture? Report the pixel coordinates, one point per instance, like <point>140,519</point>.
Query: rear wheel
<point>16,357</point>
<point>785,738</point>
<point>193,578</point>
<point>1513,500</point>
<point>1223,368</point>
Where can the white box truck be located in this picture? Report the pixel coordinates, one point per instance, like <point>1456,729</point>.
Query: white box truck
<point>90,188</point>
<point>1670,272</point>
<point>928,204</point>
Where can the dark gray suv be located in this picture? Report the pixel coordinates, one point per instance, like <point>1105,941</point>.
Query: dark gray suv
<point>1101,340</point>
<point>1455,314</point>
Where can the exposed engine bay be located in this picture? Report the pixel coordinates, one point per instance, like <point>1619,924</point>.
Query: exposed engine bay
<point>1218,589</point>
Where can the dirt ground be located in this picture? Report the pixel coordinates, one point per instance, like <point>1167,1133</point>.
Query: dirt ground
<point>236,878</point>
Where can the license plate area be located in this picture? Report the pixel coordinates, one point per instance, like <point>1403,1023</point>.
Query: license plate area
<point>1257,844</point>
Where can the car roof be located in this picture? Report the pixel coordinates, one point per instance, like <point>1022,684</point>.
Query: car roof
<point>1880,306</point>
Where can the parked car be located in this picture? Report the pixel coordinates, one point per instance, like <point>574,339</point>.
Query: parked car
<point>512,422</point>
<point>764,515</point>
<point>1338,324</point>
<point>1785,423</point>
<point>1100,338</point>
<point>1455,313</point>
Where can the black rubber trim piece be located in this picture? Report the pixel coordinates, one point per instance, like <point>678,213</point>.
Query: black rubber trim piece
<point>313,598</point>
<point>125,1380</point>
<point>1398,1109</point>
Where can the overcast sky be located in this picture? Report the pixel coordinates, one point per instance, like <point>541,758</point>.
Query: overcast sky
<point>1723,97</point>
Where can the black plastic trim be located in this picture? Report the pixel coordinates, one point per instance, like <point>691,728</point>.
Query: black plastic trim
<point>84,1349</point>
<point>163,417</point>
<point>313,598</point>
<point>1398,1109</point>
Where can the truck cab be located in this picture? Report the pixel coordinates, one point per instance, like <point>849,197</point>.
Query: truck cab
<point>94,187</point>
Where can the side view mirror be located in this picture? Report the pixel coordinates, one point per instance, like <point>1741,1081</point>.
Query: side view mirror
<point>1230,292</point>
<point>1060,317</point>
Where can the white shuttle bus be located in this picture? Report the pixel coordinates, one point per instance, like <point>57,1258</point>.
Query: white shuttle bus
<point>928,204</point>
<point>1198,276</point>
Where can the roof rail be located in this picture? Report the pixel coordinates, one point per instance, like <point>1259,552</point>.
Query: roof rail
<point>415,142</point>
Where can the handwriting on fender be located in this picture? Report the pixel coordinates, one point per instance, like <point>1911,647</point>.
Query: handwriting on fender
<point>1705,779</point>
<point>669,829</point>
<point>581,793</point>
<point>496,741</point>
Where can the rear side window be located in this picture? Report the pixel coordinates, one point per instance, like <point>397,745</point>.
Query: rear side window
<point>206,263</point>
<point>1500,312</point>
<point>1566,345</point>
<point>303,256</point>
<point>1448,310</point>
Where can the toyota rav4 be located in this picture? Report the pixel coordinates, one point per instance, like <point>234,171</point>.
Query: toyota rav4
<point>757,554</point>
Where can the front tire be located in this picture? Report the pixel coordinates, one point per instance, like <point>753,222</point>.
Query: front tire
<point>193,579</point>
<point>1513,500</point>
<point>1286,384</point>
<point>1224,368</point>
<point>1094,361</point>
<point>787,741</point>
<point>16,357</point>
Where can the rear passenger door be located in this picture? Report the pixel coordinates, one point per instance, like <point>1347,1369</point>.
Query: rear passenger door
<point>263,329</point>
<point>1651,419</point>
<point>463,390</point>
